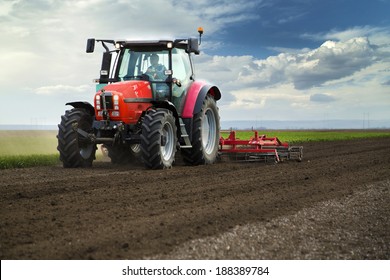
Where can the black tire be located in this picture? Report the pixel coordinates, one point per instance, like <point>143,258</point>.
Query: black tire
<point>158,139</point>
<point>74,152</point>
<point>205,135</point>
<point>124,154</point>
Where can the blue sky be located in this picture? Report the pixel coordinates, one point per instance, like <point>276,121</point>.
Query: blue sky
<point>273,59</point>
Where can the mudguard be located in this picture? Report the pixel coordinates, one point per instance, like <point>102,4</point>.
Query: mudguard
<point>169,106</point>
<point>84,105</point>
<point>195,97</point>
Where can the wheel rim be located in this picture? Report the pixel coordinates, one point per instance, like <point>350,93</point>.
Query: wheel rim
<point>135,148</point>
<point>167,149</point>
<point>209,129</point>
<point>85,147</point>
<point>86,151</point>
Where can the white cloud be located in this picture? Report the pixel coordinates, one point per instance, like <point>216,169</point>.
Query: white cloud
<point>289,50</point>
<point>331,61</point>
<point>322,98</point>
<point>220,13</point>
<point>5,7</point>
<point>61,89</point>
<point>377,35</point>
<point>294,17</point>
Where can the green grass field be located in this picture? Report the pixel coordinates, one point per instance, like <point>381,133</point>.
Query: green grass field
<point>301,136</point>
<point>28,142</point>
<point>28,148</point>
<point>34,148</point>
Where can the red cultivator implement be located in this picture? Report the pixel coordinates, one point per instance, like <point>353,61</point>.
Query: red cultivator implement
<point>258,148</point>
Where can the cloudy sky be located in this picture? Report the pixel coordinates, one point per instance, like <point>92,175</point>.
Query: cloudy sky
<point>272,59</point>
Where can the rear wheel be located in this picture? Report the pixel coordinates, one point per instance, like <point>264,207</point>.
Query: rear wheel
<point>158,139</point>
<point>205,135</point>
<point>75,150</point>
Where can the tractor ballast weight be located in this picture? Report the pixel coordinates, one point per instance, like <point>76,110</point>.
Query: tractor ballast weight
<point>147,106</point>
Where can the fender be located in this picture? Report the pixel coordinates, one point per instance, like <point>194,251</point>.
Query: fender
<point>169,106</point>
<point>83,105</point>
<point>195,96</point>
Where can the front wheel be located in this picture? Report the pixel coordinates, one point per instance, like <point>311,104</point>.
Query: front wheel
<point>205,135</point>
<point>75,151</point>
<point>158,139</point>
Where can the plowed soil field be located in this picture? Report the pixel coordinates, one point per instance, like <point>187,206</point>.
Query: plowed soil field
<point>335,204</point>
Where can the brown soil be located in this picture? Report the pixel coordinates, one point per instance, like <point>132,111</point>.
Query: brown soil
<point>333,205</point>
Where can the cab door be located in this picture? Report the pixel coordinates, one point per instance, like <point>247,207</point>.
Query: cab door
<point>182,71</point>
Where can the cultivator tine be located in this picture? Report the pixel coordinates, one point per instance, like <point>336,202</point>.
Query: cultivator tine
<point>296,153</point>
<point>245,157</point>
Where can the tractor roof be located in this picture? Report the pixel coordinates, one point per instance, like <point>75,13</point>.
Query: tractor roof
<point>163,44</point>
<point>190,44</point>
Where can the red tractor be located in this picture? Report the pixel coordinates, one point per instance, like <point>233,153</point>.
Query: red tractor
<point>147,106</point>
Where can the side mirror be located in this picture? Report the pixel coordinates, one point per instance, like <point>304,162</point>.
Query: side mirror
<point>193,46</point>
<point>90,45</point>
<point>105,70</point>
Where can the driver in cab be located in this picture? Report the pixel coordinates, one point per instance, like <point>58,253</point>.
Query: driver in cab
<point>156,70</point>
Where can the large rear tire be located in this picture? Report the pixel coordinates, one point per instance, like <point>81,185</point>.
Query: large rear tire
<point>158,139</point>
<point>74,150</point>
<point>205,135</point>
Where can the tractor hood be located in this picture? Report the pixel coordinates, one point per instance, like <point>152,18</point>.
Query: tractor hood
<point>124,101</point>
<point>129,90</point>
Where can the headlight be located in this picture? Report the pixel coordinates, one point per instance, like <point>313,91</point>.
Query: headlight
<point>116,100</point>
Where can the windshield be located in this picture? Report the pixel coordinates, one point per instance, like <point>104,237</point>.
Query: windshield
<point>136,64</point>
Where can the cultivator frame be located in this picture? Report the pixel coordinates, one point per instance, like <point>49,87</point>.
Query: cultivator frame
<point>258,148</point>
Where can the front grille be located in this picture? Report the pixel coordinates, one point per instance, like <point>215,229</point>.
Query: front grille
<point>109,102</point>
